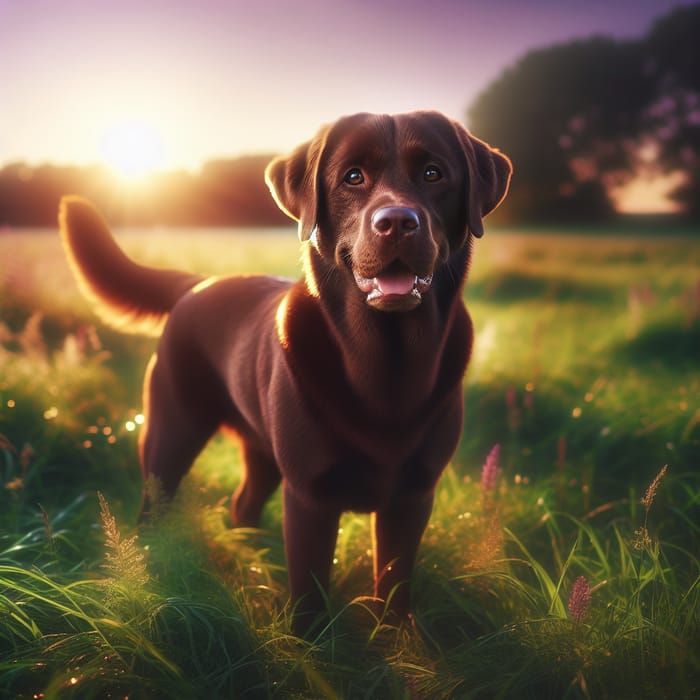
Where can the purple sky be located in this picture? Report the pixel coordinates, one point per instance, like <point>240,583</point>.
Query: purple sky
<point>212,78</point>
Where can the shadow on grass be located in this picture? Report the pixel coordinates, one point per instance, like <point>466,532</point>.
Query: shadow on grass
<point>516,286</point>
<point>667,344</point>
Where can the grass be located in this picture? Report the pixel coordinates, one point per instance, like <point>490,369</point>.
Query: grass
<point>585,372</point>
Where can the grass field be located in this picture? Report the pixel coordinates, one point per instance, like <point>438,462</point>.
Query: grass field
<point>568,568</point>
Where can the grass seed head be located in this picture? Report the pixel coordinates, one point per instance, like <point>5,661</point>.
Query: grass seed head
<point>642,538</point>
<point>653,487</point>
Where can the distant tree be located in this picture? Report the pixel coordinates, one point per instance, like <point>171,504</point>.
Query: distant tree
<point>30,196</point>
<point>225,193</point>
<point>568,116</point>
<point>671,125</point>
<point>237,193</point>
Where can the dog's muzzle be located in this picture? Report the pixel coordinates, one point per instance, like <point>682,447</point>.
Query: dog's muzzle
<point>397,287</point>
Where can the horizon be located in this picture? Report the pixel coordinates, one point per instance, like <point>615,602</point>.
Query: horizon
<point>161,86</point>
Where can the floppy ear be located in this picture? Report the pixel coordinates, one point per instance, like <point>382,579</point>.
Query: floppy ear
<point>294,183</point>
<point>488,175</point>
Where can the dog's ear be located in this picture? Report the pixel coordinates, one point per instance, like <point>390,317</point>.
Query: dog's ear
<point>488,175</point>
<point>294,183</point>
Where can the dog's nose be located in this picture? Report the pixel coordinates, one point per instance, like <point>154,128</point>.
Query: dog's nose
<point>397,221</point>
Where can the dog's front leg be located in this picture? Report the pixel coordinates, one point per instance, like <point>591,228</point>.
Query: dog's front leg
<point>398,529</point>
<point>310,533</point>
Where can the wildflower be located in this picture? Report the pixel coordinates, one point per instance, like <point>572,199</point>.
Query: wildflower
<point>47,522</point>
<point>653,487</point>
<point>490,471</point>
<point>5,444</point>
<point>580,599</point>
<point>26,456</point>
<point>514,418</point>
<point>561,451</point>
<point>15,485</point>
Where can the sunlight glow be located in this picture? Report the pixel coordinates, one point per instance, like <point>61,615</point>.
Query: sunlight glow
<point>648,195</point>
<point>132,147</point>
<point>281,322</point>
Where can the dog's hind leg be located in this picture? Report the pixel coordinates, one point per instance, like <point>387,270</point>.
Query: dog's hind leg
<point>175,432</point>
<point>260,479</point>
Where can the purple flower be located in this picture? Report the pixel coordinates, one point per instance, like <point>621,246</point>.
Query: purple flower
<point>580,599</point>
<point>490,471</point>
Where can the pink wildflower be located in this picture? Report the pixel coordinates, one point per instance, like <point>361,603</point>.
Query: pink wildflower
<point>561,451</point>
<point>490,471</point>
<point>26,455</point>
<point>580,599</point>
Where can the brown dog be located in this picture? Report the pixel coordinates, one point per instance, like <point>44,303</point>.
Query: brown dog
<point>345,385</point>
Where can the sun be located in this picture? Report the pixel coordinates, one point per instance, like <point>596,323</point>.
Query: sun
<point>133,148</point>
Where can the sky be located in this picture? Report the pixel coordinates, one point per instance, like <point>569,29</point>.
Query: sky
<point>171,84</point>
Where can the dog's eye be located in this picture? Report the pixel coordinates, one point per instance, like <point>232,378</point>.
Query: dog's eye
<point>354,176</point>
<point>432,173</point>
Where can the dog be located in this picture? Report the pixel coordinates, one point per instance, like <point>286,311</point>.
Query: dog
<point>344,386</point>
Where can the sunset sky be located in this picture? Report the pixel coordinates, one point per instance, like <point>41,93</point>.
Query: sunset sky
<point>165,83</point>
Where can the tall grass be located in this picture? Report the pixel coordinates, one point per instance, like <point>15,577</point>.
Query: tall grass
<point>563,564</point>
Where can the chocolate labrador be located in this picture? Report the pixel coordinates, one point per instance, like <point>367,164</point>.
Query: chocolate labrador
<point>346,385</point>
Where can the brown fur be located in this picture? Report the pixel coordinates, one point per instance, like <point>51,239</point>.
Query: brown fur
<point>346,386</point>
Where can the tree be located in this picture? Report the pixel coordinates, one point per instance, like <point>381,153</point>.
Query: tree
<point>671,124</point>
<point>567,115</point>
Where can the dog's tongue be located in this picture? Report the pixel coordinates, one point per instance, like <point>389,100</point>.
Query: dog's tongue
<point>399,283</point>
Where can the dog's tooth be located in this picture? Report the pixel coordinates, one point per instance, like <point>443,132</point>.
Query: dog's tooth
<point>423,283</point>
<point>365,284</point>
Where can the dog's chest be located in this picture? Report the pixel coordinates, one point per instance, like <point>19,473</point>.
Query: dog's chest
<point>365,423</point>
<point>358,464</point>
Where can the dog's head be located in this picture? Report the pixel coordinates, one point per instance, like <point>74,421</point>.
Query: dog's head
<point>388,198</point>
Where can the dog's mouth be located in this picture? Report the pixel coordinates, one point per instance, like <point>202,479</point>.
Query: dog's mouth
<point>396,288</point>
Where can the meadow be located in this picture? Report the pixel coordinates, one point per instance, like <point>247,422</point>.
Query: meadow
<point>563,555</point>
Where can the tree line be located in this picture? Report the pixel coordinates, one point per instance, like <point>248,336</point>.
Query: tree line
<point>578,120</point>
<point>224,193</point>
<point>583,118</point>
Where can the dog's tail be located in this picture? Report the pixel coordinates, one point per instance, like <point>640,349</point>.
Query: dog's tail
<point>127,296</point>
